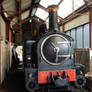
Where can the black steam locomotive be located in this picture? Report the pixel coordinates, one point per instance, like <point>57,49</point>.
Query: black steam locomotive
<point>50,61</point>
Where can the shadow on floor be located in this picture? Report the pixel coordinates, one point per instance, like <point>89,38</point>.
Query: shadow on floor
<point>14,82</point>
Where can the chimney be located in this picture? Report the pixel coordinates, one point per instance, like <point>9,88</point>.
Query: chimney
<point>53,26</point>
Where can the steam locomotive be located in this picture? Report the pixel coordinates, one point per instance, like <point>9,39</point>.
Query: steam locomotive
<point>51,61</point>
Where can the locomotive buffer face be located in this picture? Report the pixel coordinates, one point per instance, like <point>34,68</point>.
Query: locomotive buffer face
<point>55,49</point>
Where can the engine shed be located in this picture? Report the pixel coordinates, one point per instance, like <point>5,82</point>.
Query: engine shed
<point>45,45</point>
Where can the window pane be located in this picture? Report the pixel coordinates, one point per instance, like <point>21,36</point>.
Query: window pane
<point>41,14</point>
<point>68,33</point>
<point>78,3</point>
<point>86,36</point>
<point>46,3</point>
<point>79,37</point>
<point>65,11</point>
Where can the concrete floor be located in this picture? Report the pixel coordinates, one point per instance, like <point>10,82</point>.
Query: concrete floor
<point>15,83</point>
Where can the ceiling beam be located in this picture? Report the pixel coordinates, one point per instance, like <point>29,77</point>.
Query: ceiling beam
<point>22,22</point>
<point>77,13</point>
<point>25,20</point>
<point>1,1</point>
<point>61,19</point>
<point>60,2</point>
<point>34,4</point>
<point>3,15</point>
<point>18,8</point>
<point>40,19</point>
<point>22,11</point>
<point>17,13</point>
<point>46,9</point>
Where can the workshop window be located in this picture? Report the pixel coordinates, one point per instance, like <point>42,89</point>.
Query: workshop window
<point>86,36</point>
<point>73,36</point>
<point>81,36</point>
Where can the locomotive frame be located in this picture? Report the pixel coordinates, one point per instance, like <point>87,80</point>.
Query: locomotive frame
<point>59,72</point>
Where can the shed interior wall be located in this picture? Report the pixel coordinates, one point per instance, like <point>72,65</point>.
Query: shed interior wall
<point>80,20</point>
<point>5,51</point>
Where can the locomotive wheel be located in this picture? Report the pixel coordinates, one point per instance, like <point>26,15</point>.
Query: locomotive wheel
<point>80,81</point>
<point>31,85</point>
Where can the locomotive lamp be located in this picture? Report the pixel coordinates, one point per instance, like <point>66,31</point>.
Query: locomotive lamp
<point>29,58</point>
